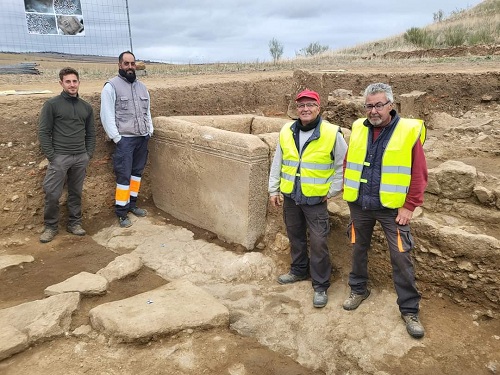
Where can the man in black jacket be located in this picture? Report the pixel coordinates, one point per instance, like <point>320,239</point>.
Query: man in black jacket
<point>67,138</point>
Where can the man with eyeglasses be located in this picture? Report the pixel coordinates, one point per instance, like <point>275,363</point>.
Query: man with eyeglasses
<point>385,175</point>
<point>306,170</point>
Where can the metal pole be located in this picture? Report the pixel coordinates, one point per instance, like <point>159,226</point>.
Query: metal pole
<point>129,31</point>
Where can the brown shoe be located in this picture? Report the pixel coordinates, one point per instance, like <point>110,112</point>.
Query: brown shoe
<point>48,235</point>
<point>76,230</point>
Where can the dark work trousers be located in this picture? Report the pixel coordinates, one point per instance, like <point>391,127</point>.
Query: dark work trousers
<point>299,218</point>
<point>129,159</point>
<point>400,243</point>
<point>69,168</point>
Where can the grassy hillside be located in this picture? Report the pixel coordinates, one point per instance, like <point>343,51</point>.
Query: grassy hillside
<point>463,27</point>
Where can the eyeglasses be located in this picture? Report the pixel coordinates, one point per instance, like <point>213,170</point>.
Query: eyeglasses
<point>377,106</point>
<point>308,105</point>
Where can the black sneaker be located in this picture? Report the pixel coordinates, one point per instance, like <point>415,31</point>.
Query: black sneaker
<point>140,212</point>
<point>320,299</point>
<point>124,222</point>
<point>289,278</point>
<point>413,325</point>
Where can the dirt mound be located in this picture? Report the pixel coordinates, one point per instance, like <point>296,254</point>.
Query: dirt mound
<point>461,51</point>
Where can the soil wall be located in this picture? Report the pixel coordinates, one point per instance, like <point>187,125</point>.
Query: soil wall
<point>21,161</point>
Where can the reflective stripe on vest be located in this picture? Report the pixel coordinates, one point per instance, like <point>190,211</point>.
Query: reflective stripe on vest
<point>315,166</point>
<point>396,161</point>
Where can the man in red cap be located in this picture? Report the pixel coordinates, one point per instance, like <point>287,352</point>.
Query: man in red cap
<point>307,170</point>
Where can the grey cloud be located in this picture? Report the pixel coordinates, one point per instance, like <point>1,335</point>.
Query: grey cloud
<point>229,30</point>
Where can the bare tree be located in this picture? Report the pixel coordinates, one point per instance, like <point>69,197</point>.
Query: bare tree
<point>438,16</point>
<point>275,49</point>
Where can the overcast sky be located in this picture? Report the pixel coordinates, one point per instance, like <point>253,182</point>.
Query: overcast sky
<point>202,31</point>
<point>240,31</point>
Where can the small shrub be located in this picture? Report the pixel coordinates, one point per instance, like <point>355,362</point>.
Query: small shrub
<point>312,49</point>
<point>455,36</point>
<point>457,13</point>
<point>481,36</point>
<point>418,37</point>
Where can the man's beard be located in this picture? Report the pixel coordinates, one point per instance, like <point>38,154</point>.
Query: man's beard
<point>375,121</point>
<point>129,75</point>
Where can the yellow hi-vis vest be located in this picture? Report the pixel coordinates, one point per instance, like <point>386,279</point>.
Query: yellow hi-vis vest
<point>315,166</point>
<point>396,161</point>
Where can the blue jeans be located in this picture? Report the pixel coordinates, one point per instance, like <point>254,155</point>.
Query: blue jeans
<point>298,218</point>
<point>400,243</point>
<point>129,159</point>
<point>69,169</point>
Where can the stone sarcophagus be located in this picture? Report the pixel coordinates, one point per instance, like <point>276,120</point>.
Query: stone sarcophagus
<point>211,177</point>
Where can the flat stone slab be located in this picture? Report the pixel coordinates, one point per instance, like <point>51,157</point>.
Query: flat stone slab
<point>12,341</point>
<point>36,321</point>
<point>167,310</point>
<point>14,260</point>
<point>86,283</point>
<point>122,266</point>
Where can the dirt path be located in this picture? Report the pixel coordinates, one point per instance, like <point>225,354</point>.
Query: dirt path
<point>456,342</point>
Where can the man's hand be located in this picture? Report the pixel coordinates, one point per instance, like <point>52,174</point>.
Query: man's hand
<point>275,200</point>
<point>404,216</point>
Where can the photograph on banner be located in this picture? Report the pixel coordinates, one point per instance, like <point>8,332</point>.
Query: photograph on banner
<point>54,17</point>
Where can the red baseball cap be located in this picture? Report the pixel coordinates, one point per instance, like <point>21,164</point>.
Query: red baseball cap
<point>308,94</point>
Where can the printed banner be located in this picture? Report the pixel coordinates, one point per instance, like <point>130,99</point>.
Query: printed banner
<point>54,17</point>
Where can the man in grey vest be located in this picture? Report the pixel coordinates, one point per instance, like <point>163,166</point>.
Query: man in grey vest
<point>126,118</point>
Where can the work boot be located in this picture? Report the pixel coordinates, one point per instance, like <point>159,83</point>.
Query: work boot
<point>124,222</point>
<point>48,235</point>
<point>139,212</point>
<point>76,230</point>
<point>413,325</point>
<point>289,278</point>
<point>320,299</point>
<point>355,300</point>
